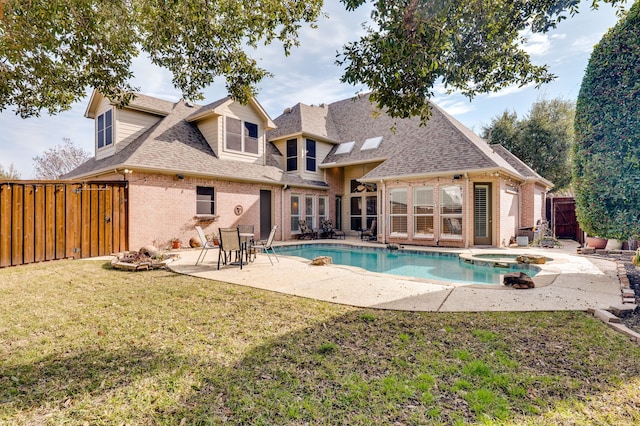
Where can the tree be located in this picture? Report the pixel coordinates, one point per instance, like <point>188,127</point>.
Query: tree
<point>543,139</point>
<point>51,51</point>
<point>474,46</point>
<point>10,174</point>
<point>607,151</point>
<point>59,160</point>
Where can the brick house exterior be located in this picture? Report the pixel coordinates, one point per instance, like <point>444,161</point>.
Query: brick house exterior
<point>225,164</point>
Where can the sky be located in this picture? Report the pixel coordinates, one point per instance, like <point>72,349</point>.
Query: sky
<point>310,75</point>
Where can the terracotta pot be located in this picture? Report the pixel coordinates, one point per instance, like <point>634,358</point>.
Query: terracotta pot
<point>596,243</point>
<point>176,244</point>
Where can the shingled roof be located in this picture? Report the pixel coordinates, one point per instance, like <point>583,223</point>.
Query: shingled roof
<point>175,145</point>
<point>442,146</point>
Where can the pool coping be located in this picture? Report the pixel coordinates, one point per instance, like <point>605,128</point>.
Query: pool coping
<point>569,282</point>
<point>543,277</point>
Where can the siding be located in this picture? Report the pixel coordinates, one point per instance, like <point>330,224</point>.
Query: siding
<point>130,125</point>
<point>244,113</point>
<point>210,129</point>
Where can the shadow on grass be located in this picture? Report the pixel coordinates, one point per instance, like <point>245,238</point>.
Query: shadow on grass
<point>58,377</point>
<point>373,367</point>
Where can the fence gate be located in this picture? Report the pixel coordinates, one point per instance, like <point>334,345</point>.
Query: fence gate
<point>563,218</point>
<point>48,220</point>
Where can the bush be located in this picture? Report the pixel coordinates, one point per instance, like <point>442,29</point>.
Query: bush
<point>606,168</point>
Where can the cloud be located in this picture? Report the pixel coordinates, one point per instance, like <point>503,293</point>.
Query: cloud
<point>510,90</point>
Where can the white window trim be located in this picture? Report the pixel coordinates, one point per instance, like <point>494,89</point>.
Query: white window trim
<point>458,216</point>
<point>392,215</point>
<point>243,149</point>
<point>417,215</point>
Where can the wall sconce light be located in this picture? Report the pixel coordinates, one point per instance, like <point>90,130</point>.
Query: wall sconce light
<point>179,177</point>
<point>287,186</point>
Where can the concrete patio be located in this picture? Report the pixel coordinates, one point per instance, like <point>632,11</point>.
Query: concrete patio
<point>567,282</point>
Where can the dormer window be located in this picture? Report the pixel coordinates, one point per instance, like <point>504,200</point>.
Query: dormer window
<point>105,129</point>
<point>241,136</point>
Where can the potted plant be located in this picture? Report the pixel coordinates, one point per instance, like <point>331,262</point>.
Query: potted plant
<point>175,243</point>
<point>596,242</point>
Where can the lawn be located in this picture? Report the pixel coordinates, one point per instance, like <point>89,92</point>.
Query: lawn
<point>81,343</point>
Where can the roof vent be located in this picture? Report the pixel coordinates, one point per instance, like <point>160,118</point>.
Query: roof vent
<point>287,111</point>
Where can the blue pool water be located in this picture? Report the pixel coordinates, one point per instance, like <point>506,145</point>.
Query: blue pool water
<point>433,266</point>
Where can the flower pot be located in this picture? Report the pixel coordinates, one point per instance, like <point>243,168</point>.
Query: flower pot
<point>596,242</point>
<point>613,244</point>
<point>175,244</point>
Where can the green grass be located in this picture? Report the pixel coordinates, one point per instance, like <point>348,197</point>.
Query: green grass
<point>81,343</point>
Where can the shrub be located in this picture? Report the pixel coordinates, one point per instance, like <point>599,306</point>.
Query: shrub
<point>606,168</point>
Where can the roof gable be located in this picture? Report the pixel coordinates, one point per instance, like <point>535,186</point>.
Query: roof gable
<point>140,102</point>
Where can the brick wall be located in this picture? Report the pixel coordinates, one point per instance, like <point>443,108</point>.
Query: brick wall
<point>162,207</point>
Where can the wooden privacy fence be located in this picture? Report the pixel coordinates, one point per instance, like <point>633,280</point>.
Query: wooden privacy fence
<point>48,220</point>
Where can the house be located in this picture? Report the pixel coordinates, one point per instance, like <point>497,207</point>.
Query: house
<point>224,164</point>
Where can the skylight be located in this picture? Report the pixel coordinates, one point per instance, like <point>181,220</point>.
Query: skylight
<point>371,143</point>
<point>345,148</point>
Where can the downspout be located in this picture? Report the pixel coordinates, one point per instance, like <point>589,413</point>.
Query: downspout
<point>383,215</point>
<point>466,197</point>
<point>282,192</point>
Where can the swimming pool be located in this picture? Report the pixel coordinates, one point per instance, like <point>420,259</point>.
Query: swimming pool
<point>411,263</point>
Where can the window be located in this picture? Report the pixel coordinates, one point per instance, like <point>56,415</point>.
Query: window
<point>309,211</point>
<point>323,208</point>
<point>105,129</point>
<point>423,211</point>
<point>361,196</point>
<point>311,155</point>
<point>398,211</point>
<point>451,211</point>
<point>205,200</point>
<point>295,213</point>
<point>241,140</point>
<point>250,137</point>
<point>292,155</point>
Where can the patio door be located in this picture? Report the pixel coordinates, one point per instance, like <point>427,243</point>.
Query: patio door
<point>482,214</point>
<point>265,214</point>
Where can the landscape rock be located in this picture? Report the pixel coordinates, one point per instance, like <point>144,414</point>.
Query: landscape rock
<point>518,280</point>
<point>322,260</point>
<point>149,250</point>
<point>532,258</point>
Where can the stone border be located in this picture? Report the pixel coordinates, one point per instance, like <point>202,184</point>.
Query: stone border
<point>628,294</point>
<point>614,322</point>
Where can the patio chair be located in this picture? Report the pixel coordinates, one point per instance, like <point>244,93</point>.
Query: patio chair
<point>369,233</point>
<point>206,245</point>
<point>305,231</point>
<point>247,236</point>
<point>268,244</point>
<point>329,231</point>
<point>230,243</point>
<point>454,226</point>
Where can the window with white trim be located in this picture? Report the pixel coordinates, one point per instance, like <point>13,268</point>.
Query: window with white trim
<point>309,211</point>
<point>241,136</point>
<point>105,129</point>
<point>451,211</point>
<point>323,208</point>
<point>295,213</point>
<point>398,211</point>
<point>292,155</point>
<point>205,200</point>
<point>311,155</point>
<point>423,211</point>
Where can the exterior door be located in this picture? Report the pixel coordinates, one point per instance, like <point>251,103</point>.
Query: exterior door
<point>265,214</point>
<point>482,214</point>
